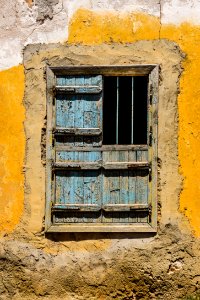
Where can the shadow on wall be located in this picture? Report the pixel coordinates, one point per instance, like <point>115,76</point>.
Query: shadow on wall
<point>81,236</point>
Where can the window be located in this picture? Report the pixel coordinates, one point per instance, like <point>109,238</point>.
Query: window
<point>101,148</point>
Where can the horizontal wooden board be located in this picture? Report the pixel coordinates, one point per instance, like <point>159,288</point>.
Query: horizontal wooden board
<point>78,156</point>
<point>127,207</point>
<point>79,207</point>
<point>130,70</point>
<point>78,131</point>
<point>80,81</point>
<point>99,165</point>
<point>141,228</point>
<point>77,141</point>
<point>94,207</point>
<point>78,89</point>
<point>103,148</point>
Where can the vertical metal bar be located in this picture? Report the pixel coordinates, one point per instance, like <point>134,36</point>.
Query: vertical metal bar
<point>117,113</point>
<point>132,110</point>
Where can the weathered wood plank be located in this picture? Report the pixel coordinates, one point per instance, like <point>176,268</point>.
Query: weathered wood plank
<point>125,165</point>
<point>132,185</point>
<point>106,166</point>
<point>76,207</point>
<point>141,227</point>
<point>125,207</point>
<point>153,114</point>
<point>79,89</point>
<point>130,70</point>
<point>124,186</point>
<point>77,165</point>
<point>66,80</point>
<point>77,131</point>
<point>141,181</point>
<point>83,156</point>
<point>49,148</point>
<point>103,148</point>
<point>65,111</point>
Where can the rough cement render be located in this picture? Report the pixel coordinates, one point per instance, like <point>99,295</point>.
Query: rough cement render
<point>101,266</point>
<point>164,267</point>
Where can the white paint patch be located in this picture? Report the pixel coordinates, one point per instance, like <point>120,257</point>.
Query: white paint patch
<point>179,11</point>
<point>7,16</point>
<point>10,53</point>
<point>48,32</point>
<point>150,7</point>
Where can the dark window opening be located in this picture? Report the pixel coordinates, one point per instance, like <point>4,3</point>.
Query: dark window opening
<point>125,110</point>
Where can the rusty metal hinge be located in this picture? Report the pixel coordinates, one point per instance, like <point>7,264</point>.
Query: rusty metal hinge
<point>150,94</point>
<point>150,171</point>
<point>150,136</point>
<point>150,209</point>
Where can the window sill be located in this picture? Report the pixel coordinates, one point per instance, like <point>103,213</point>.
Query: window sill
<point>102,228</point>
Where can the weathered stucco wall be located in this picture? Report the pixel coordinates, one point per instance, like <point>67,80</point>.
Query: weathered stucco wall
<point>75,266</point>
<point>101,266</point>
<point>173,20</point>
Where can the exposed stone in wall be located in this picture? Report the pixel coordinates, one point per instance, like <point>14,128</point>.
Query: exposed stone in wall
<point>45,9</point>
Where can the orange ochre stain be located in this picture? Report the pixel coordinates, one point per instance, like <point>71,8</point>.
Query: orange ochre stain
<point>89,28</point>
<point>12,147</point>
<point>29,2</point>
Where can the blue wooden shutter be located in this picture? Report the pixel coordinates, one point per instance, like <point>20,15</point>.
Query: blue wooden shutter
<point>125,185</point>
<point>77,166</point>
<point>93,183</point>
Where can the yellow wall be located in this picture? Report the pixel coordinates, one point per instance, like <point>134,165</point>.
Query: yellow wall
<point>12,147</point>
<point>88,27</point>
<point>188,38</point>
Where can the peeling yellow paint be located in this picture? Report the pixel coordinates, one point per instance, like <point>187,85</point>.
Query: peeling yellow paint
<point>12,147</point>
<point>89,28</point>
<point>188,38</point>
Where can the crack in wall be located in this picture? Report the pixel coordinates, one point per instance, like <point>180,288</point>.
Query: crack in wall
<point>160,17</point>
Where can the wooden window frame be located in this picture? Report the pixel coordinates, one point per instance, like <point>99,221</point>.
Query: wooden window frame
<point>152,71</point>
